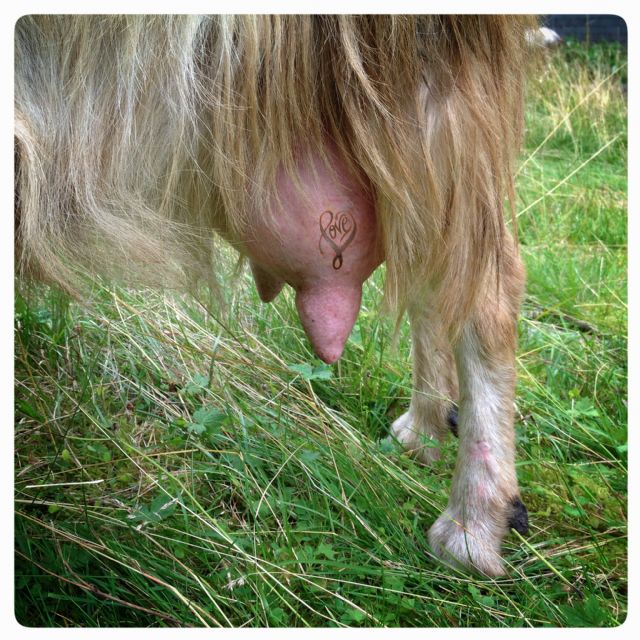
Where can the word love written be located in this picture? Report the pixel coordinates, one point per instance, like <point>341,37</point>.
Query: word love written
<point>338,231</point>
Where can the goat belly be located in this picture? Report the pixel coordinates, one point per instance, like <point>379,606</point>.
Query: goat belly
<point>319,235</point>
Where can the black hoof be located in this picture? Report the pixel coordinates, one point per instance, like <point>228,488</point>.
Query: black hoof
<point>519,518</point>
<point>452,419</point>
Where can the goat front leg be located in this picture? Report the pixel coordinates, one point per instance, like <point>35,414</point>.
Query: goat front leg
<point>435,388</point>
<point>484,501</point>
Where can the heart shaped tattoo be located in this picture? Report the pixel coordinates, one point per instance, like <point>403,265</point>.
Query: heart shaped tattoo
<point>338,231</point>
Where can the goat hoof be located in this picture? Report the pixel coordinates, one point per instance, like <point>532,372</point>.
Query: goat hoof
<point>519,518</point>
<point>421,445</point>
<point>467,548</point>
<point>452,419</point>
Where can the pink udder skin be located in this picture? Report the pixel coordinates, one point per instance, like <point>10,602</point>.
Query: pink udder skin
<point>310,244</point>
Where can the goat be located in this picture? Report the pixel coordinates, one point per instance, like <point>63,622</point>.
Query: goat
<point>319,147</point>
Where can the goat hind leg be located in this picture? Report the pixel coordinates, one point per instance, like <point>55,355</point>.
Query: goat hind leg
<point>484,500</point>
<point>432,409</point>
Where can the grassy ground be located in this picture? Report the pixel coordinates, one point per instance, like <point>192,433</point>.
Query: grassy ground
<point>173,468</point>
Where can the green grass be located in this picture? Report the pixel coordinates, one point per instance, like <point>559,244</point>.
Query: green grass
<point>174,468</point>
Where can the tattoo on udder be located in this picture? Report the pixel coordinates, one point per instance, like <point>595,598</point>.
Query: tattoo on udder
<point>338,231</point>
